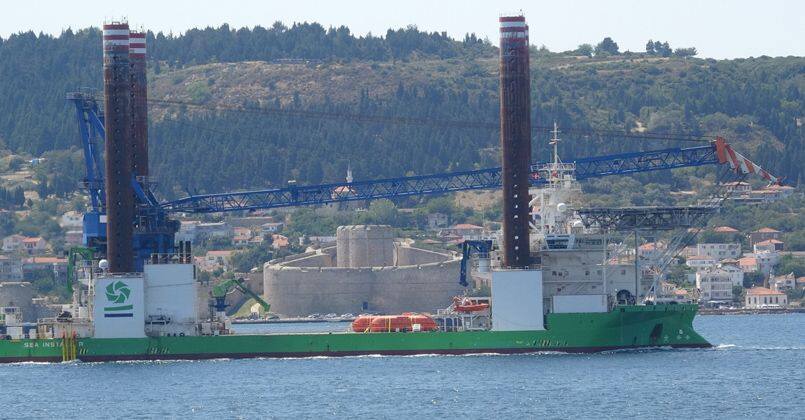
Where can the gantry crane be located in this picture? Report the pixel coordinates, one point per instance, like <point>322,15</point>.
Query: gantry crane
<point>155,230</point>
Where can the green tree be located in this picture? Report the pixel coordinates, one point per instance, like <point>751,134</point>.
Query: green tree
<point>738,294</point>
<point>585,50</point>
<point>650,48</point>
<point>790,264</point>
<point>753,279</point>
<point>382,212</point>
<point>253,257</point>
<point>606,47</point>
<point>685,52</point>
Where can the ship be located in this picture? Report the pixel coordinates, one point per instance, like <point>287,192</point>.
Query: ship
<point>555,282</point>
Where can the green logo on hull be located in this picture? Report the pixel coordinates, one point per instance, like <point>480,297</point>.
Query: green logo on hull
<point>117,292</point>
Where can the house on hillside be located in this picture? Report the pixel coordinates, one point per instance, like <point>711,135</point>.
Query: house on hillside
<point>735,273</point>
<point>437,220</point>
<point>783,283</point>
<point>761,297</point>
<point>719,251</point>
<point>769,245</point>
<point>279,241</point>
<point>213,260</point>
<point>10,268</point>
<point>34,245</point>
<point>55,264</point>
<point>214,230</point>
<point>725,229</point>
<point>714,284</point>
<point>764,234</point>
<point>12,243</point>
<point>775,192</point>
<point>242,237</point>
<point>739,189</point>
<point>272,227</point>
<point>466,231</point>
<point>699,263</point>
<point>71,220</point>
<point>651,251</point>
<point>767,260</point>
<point>748,264</point>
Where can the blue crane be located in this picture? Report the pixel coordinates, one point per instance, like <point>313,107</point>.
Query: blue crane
<point>155,231</point>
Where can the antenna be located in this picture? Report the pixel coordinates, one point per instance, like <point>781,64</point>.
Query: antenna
<point>555,142</point>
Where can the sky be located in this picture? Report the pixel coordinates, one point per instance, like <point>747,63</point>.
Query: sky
<point>717,28</point>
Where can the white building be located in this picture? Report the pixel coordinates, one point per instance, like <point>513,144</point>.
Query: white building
<point>12,243</point>
<point>719,251</point>
<point>769,245</point>
<point>767,260</point>
<point>71,220</point>
<point>714,285</point>
<point>699,263</point>
<point>651,251</point>
<point>437,220</point>
<point>735,273</point>
<point>783,283</point>
<point>10,268</point>
<point>214,230</point>
<point>761,297</point>
<point>272,227</point>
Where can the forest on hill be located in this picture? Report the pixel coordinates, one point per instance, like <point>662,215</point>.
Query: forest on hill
<point>407,102</point>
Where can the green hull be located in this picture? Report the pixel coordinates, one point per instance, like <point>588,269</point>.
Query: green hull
<point>625,327</point>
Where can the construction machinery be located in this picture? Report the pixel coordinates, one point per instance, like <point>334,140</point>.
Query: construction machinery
<point>222,289</point>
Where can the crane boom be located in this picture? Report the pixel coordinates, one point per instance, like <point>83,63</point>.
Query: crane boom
<point>220,291</point>
<point>480,179</point>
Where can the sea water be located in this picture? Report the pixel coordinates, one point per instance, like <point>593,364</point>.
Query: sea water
<point>755,370</point>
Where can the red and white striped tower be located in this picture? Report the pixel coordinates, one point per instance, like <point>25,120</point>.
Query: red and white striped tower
<point>515,139</point>
<point>139,104</point>
<point>117,114</point>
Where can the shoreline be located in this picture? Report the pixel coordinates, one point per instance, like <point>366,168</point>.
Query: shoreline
<point>746,311</point>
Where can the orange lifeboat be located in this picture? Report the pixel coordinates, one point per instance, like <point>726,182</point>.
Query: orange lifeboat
<point>362,323</point>
<point>467,305</point>
<point>398,323</point>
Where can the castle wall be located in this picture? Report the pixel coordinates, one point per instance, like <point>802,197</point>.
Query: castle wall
<point>294,291</point>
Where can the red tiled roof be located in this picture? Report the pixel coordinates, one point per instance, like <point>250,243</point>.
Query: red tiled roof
<point>766,230</point>
<point>747,261</point>
<point>725,229</point>
<point>223,253</point>
<point>45,260</point>
<point>769,242</point>
<point>755,291</point>
<point>466,226</point>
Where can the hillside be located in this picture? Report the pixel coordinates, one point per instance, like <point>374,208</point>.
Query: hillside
<point>756,103</point>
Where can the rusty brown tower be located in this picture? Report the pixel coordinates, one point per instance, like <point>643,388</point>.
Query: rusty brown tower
<point>515,139</point>
<point>117,114</point>
<point>139,104</point>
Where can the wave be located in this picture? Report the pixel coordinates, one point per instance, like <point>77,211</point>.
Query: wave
<point>757,348</point>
